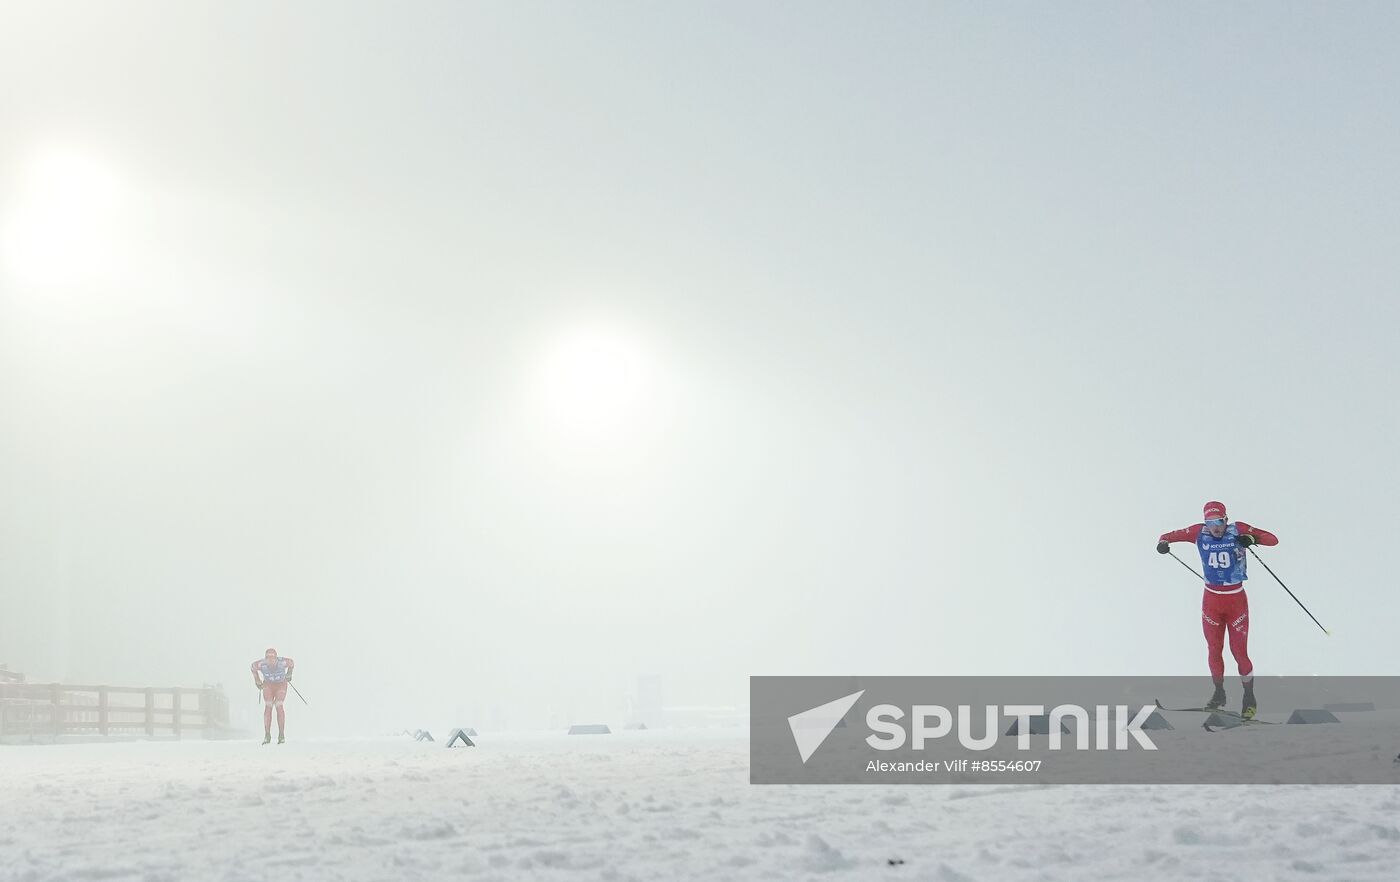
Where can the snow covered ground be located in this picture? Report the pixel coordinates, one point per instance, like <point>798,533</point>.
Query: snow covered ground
<point>635,805</point>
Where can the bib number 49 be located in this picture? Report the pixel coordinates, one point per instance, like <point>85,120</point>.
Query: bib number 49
<point>1221,560</point>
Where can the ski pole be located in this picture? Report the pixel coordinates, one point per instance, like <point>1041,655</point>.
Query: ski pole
<point>299,695</point>
<point>1290,593</point>
<point>1187,565</point>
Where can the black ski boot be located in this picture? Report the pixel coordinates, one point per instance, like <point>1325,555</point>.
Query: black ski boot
<point>280,739</point>
<point>1249,706</point>
<point>267,739</point>
<point>1217,701</point>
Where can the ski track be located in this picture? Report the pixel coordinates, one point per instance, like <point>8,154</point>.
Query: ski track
<point>634,806</point>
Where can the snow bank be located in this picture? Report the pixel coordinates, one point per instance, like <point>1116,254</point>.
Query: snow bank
<point>636,805</point>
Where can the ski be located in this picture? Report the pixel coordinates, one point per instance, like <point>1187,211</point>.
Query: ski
<point>1238,723</point>
<point>1201,710</point>
<point>1240,719</point>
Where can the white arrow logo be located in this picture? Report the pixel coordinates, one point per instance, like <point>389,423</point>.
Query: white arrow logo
<point>811,727</point>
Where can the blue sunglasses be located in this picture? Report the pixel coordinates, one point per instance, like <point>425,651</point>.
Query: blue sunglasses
<point>1215,522</point>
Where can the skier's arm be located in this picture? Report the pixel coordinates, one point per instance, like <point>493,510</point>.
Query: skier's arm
<point>254,668</point>
<point>1256,535</point>
<point>1185,534</point>
<point>291,666</point>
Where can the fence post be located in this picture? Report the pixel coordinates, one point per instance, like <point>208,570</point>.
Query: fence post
<point>56,693</point>
<point>103,718</point>
<point>150,711</point>
<point>218,710</point>
<point>175,709</point>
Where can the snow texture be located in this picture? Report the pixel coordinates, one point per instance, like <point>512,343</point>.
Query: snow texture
<point>642,806</point>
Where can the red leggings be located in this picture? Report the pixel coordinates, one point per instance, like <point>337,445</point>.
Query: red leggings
<point>273,696</point>
<point>1223,614</point>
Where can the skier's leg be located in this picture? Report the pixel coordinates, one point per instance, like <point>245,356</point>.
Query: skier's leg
<point>1238,630</point>
<point>267,709</point>
<point>281,711</point>
<point>1239,637</point>
<point>1213,624</point>
<point>1239,644</point>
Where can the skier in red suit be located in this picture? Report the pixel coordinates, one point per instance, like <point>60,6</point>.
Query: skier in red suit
<point>1224,606</point>
<point>272,674</point>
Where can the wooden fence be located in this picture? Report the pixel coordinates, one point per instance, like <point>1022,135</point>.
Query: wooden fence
<point>58,711</point>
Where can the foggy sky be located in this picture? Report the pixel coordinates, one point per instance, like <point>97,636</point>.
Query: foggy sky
<point>944,313</point>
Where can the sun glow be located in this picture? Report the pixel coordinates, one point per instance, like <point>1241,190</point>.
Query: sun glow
<point>594,383</point>
<point>62,223</point>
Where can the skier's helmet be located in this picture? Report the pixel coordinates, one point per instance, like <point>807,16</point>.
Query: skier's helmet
<point>270,651</point>
<point>1214,514</point>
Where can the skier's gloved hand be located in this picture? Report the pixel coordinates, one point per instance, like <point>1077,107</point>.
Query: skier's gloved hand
<point>1163,546</point>
<point>1245,540</point>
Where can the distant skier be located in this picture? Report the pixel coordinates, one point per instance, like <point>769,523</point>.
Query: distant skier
<point>271,674</point>
<point>1224,606</point>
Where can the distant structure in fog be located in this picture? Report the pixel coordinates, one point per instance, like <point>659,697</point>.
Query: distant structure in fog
<point>706,716</point>
<point>647,705</point>
<point>9,676</point>
<point>59,713</point>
